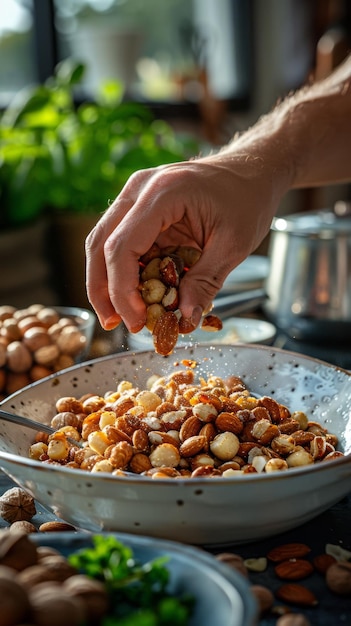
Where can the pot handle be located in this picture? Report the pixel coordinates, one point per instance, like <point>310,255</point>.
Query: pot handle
<point>228,306</point>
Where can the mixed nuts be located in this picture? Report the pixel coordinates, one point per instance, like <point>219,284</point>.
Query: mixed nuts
<point>161,271</point>
<point>177,427</point>
<point>292,563</point>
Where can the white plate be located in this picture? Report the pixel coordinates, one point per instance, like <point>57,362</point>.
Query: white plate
<point>222,596</point>
<point>235,330</point>
<point>250,274</point>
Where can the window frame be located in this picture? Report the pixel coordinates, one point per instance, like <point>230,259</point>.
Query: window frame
<point>47,57</point>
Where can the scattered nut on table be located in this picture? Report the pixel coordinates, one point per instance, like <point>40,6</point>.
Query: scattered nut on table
<point>338,578</point>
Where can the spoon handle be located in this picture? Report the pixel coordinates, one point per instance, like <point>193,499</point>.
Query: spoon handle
<point>38,426</point>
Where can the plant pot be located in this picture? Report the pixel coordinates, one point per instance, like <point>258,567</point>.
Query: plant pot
<point>26,272</point>
<point>69,232</point>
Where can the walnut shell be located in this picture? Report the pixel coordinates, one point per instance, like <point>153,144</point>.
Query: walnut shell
<point>92,593</point>
<point>50,605</point>
<point>15,607</point>
<point>16,549</point>
<point>16,504</point>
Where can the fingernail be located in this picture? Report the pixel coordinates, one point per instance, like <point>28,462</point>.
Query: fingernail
<point>137,327</point>
<point>196,315</point>
<point>111,322</point>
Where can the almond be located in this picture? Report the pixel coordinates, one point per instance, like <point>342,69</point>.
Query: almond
<point>190,428</point>
<point>288,551</point>
<point>168,271</point>
<point>165,333</point>
<point>192,445</point>
<point>229,422</point>
<point>140,463</point>
<point>294,569</point>
<point>293,593</point>
<point>186,326</point>
<point>322,562</point>
<point>55,526</point>
<point>211,323</point>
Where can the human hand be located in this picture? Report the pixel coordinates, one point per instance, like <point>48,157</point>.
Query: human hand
<point>222,205</point>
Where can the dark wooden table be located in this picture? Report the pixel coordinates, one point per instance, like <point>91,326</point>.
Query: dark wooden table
<point>333,527</point>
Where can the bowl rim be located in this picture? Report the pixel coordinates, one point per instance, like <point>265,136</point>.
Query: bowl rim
<point>86,317</point>
<point>184,482</point>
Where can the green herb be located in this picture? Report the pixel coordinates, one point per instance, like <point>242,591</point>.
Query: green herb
<point>138,592</point>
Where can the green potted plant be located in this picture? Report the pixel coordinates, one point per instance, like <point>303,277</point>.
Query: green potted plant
<point>67,162</point>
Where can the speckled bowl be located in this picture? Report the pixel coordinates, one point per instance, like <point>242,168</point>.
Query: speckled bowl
<point>199,511</point>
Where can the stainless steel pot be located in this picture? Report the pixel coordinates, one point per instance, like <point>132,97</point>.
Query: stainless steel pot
<point>309,283</point>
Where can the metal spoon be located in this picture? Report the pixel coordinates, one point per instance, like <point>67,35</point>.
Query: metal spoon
<point>29,423</point>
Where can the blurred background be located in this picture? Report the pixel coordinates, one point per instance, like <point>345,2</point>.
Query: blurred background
<point>91,90</point>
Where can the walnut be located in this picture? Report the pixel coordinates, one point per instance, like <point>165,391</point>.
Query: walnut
<point>16,504</point>
<point>92,593</point>
<point>15,607</point>
<point>16,549</point>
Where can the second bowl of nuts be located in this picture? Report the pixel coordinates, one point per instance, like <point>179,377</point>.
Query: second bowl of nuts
<point>39,340</point>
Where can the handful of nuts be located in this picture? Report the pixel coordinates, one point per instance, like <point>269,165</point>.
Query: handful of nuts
<point>161,271</point>
<point>35,342</point>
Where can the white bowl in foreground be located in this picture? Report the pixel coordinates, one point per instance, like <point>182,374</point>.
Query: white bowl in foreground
<point>202,510</point>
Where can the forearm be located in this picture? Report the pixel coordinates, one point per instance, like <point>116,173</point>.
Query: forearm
<point>305,141</point>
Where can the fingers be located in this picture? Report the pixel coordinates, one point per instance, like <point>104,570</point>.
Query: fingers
<point>97,279</point>
<point>132,224</point>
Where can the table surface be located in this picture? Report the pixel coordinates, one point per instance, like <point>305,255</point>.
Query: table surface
<point>331,527</point>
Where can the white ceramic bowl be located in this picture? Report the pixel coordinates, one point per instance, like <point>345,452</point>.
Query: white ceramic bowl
<point>235,330</point>
<point>201,510</point>
<point>222,595</point>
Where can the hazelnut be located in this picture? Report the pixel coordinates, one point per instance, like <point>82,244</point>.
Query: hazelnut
<point>15,607</point>
<point>264,598</point>
<point>6,311</point>
<point>51,605</point>
<point>338,578</point>
<point>16,550</point>
<point>23,526</point>
<point>3,355</point>
<point>46,355</point>
<point>48,316</point>
<point>92,593</point>
<point>16,381</point>
<point>19,358</point>
<point>293,619</point>
<point>35,338</point>
<point>10,330</point>
<point>235,561</point>
<point>71,340</point>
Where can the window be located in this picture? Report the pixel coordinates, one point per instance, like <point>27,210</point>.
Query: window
<point>164,52</point>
